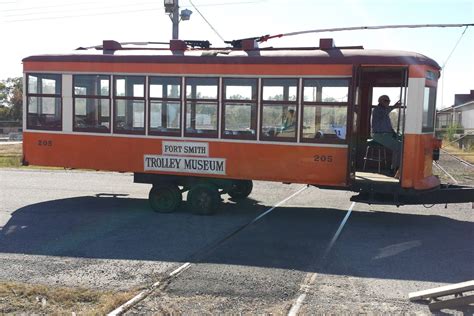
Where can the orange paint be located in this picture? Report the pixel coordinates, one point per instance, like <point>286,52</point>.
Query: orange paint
<point>280,162</point>
<point>419,71</point>
<point>256,161</point>
<point>417,162</point>
<point>205,69</point>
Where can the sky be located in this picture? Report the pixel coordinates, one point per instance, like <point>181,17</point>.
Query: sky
<point>32,27</point>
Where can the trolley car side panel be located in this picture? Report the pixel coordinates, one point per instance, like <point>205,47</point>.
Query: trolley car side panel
<point>297,163</point>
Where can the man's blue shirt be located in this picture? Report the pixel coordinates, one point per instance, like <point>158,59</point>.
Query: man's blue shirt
<point>381,120</point>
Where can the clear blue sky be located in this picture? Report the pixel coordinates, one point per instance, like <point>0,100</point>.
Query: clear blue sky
<point>59,26</point>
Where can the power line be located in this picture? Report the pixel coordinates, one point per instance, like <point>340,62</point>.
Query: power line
<point>215,31</point>
<point>50,6</point>
<point>228,3</point>
<point>83,15</point>
<point>42,10</point>
<point>18,13</point>
<point>46,7</point>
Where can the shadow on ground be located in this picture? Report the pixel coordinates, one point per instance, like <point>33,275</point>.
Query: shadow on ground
<point>373,244</point>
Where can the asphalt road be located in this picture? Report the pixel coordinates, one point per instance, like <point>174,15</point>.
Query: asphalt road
<point>96,230</point>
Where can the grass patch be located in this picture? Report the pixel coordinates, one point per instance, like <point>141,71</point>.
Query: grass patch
<point>20,298</point>
<point>10,155</point>
<point>467,155</point>
<point>11,149</point>
<point>10,161</point>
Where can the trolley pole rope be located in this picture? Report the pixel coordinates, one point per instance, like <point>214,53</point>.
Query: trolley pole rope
<point>357,28</point>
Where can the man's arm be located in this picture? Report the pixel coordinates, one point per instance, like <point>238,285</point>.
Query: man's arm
<point>398,105</point>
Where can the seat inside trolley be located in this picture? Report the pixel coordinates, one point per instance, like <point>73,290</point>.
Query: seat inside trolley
<point>373,161</point>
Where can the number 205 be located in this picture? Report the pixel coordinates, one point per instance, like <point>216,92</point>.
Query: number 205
<point>322,158</point>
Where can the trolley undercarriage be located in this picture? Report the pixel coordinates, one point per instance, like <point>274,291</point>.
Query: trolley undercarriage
<point>204,193</point>
<point>388,194</point>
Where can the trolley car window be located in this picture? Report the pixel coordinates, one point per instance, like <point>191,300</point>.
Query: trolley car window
<point>202,88</point>
<point>326,90</point>
<point>165,105</point>
<point>280,89</point>
<point>429,109</point>
<point>91,85</point>
<point>325,110</point>
<point>279,109</point>
<point>129,105</point>
<point>240,108</point>
<point>92,103</point>
<point>201,107</point>
<point>165,87</point>
<point>44,101</point>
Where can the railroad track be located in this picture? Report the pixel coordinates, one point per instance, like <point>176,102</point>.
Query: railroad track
<point>464,162</point>
<point>436,164</point>
<point>201,254</point>
<point>196,258</point>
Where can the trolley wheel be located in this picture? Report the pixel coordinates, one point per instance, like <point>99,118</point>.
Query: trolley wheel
<point>164,198</point>
<point>240,189</point>
<point>204,199</point>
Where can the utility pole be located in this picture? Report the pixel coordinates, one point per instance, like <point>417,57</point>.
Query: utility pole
<point>175,19</point>
<point>172,9</point>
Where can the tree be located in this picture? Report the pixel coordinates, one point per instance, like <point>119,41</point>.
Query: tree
<point>11,97</point>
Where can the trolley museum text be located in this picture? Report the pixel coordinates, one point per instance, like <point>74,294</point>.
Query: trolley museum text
<point>184,164</point>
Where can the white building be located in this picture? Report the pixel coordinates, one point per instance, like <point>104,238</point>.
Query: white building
<point>460,114</point>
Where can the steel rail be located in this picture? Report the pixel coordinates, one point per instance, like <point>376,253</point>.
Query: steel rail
<point>311,278</point>
<point>464,162</point>
<point>444,170</point>
<point>199,255</point>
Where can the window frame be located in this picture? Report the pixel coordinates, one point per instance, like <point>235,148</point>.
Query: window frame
<point>197,101</point>
<point>129,98</point>
<point>431,109</point>
<point>97,97</point>
<point>44,95</point>
<point>163,100</point>
<point>326,104</point>
<point>275,103</point>
<point>252,102</point>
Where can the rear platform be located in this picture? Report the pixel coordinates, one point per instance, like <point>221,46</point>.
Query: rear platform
<point>376,188</point>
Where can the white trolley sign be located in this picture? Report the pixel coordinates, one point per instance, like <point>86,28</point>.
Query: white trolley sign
<point>186,157</point>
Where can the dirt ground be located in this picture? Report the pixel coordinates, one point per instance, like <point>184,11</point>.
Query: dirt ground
<point>18,297</point>
<point>462,173</point>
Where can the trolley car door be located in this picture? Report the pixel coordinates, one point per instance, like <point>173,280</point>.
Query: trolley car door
<point>353,122</point>
<point>366,79</point>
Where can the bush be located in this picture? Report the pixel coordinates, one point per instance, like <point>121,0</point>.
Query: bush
<point>451,130</point>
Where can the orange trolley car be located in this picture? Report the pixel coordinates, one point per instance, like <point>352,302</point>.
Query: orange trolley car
<point>212,120</point>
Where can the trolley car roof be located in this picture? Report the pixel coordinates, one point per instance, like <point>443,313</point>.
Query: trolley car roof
<point>262,56</point>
